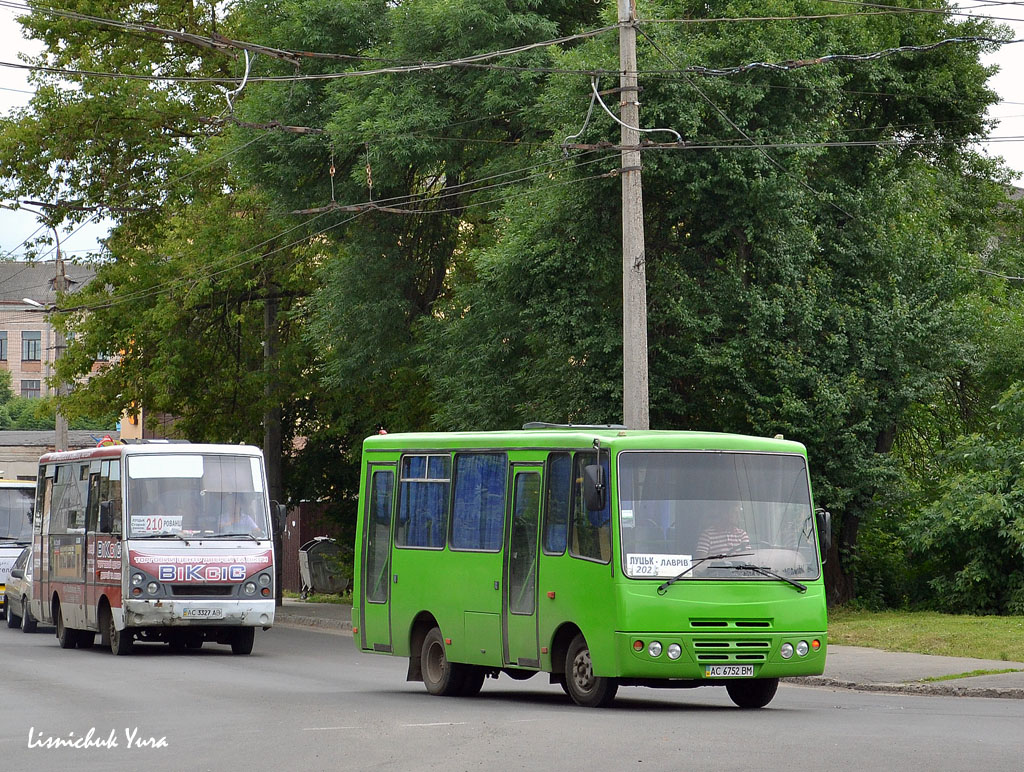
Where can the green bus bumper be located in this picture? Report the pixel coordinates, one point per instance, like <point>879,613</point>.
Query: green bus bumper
<point>747,656</point>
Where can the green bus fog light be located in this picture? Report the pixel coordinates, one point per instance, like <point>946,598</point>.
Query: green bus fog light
<point>786,650</point>
<point>802,648</point>
<point>654,649</point>
<point>675,651</point>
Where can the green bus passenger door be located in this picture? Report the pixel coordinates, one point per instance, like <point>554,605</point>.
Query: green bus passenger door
<point>519,607</point>
<point>374,605</point>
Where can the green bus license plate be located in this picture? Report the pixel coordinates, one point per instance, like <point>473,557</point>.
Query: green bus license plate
<point>728,671</point>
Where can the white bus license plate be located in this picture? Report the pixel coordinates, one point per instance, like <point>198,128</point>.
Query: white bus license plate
<point>728,671</point>
<point>202,613</point>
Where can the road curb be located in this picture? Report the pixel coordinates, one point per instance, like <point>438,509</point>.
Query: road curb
<point>920,688</point>
<point>937,689</point>
<point>318,622</point>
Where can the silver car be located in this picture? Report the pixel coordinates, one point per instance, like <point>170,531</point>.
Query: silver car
<point>18,594</point>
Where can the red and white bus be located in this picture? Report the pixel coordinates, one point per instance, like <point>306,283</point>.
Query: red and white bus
<point>154,541</point>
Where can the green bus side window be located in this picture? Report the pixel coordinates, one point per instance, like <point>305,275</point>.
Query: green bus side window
<point>556,503</point>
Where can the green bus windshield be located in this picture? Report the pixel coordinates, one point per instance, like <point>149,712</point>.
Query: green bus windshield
<point>677,509</point>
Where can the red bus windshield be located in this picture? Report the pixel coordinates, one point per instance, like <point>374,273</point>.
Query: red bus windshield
<point>198,495</point>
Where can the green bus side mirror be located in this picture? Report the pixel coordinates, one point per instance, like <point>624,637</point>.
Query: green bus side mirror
<point>824,531</point>
<point>595,493</point>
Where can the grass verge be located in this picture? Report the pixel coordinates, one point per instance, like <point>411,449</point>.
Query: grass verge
<point>926,632</point>
<point>971,674</point>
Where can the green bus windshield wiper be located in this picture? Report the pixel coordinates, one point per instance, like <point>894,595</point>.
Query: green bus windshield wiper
<point>766,572</point>
<point>664,587</point>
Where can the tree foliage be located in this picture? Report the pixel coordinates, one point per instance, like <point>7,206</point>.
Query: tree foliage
<point>439,260</point>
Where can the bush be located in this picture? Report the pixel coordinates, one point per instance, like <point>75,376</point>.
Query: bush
<point>970,538</point>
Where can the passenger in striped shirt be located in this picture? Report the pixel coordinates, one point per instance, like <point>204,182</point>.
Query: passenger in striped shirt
<point>724,534</point>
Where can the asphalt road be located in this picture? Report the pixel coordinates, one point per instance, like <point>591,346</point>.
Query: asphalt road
<point>306,700</point>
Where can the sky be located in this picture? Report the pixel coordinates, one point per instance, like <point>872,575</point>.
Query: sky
<point>15,91</point>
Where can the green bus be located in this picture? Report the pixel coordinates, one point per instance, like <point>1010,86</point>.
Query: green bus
<point>599,555</point>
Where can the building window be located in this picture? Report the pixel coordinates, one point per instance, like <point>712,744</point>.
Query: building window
<point>3,345</point>
<point>31,346</point>
<point>30,388</point>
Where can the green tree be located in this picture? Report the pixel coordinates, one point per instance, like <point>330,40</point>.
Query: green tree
<point>197,297</point>
<point>937,538</point>
<point>467,273</point>
<point>812,292</point>
<point>970,538</point>
<point>6,392</point>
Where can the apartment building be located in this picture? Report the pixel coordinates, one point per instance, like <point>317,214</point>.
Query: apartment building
<point>28,343</point>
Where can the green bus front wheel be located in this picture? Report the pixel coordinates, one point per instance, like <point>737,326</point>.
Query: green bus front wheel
<point>752,694</point>
<point>581,684</point>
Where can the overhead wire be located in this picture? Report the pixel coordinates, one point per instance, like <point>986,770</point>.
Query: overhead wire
<point>803,183</point>
<point>395,203</point>
<point>411,200</point>
<point>151,291</point>
<point>171,283</point>
<point>24,241</point>
<point>176,180</point>
<point>798,145</point>
<point>471,61</point>
<point>878,10</point>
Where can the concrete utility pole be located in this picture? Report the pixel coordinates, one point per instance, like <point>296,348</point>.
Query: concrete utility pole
<point>635,399</point>
<point>60,425</point>
<point>273,444</point>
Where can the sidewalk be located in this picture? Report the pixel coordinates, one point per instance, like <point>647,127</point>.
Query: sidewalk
<point>864,669</point>
<point>330,616</point>
<point>847,667</point>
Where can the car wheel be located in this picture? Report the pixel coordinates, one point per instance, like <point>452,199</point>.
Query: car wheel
<point>12,620</point>
<point>28,622</point>
<point>582,685</point>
